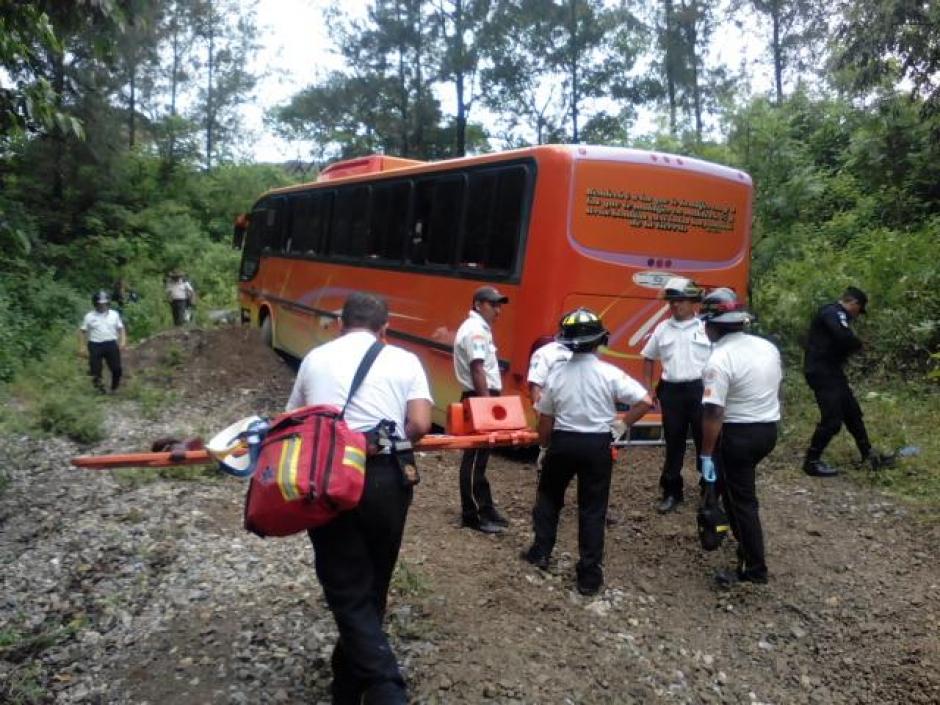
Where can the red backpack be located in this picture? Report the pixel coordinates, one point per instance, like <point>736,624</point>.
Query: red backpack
<point>311,466</point>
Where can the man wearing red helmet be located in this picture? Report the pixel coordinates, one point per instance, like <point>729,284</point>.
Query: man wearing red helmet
<point>739,423</point>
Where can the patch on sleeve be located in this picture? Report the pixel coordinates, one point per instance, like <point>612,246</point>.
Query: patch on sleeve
<point>478,347</point>
<point>843,319</point>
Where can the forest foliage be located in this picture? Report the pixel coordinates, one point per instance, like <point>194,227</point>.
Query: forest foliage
<point>122,155</point>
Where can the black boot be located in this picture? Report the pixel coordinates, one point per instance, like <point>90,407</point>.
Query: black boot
<point>815,466</point>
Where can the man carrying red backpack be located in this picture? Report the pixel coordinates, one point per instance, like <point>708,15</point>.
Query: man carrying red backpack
<point>355,553</point>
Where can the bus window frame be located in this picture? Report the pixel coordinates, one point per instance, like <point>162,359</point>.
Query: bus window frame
<point>451,270</point>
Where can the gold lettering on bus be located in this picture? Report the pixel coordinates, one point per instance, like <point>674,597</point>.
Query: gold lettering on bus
<point>641,210</point>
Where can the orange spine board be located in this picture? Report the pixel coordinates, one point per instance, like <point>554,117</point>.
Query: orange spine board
<point>505,438</point>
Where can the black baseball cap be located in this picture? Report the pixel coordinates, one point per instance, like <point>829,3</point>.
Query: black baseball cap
<point>853,292</point>
<point>490,294</point>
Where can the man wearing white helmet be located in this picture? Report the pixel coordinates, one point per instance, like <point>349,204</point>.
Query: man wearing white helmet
<point>680,345</point>
<point>101,336</point>
<point>739,423</point>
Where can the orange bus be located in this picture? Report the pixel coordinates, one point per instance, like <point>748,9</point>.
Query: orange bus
<point>555,227</point>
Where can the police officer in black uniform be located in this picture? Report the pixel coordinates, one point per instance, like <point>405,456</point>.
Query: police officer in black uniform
<point>829,344</point>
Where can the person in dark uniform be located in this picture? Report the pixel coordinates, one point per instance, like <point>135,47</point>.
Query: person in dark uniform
<point>682,348</point>
<point>739,423</point>
<point>577,407</point>
<point>355,553</point>
<point>477,370</point>
<point>829,344</point>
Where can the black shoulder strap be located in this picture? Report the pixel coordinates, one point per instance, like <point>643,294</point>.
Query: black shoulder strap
<point>362,371</point>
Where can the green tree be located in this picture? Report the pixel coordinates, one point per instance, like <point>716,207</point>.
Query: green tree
<point>520,83</point>
<point>882,41</point>
<point>463,25</point>
<point>227,28</point>
<point>796,29</point>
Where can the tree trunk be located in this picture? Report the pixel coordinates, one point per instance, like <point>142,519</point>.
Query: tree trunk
<point>692,37</point>
<point>132,106</point>
<point>670,61</point>
<point>459,79</point>
<point>573,68</point>
<point>778,52</point>
<point>174,80</point>
<point>210,116</point>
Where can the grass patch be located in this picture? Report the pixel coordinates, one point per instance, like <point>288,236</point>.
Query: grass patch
<point>151,399</point>
<point>409,582</point>
<point>26,683</point>
<point>898,413</point>
<point>57,397</point>
<point>131,478</point>
<point>25,686</point>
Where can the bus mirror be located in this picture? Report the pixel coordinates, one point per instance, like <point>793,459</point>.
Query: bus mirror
<point>238,237</point>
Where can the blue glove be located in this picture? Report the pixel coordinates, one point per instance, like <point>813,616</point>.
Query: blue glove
<point>708,468</point>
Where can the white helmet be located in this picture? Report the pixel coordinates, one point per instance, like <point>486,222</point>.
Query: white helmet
<point>679,288</point>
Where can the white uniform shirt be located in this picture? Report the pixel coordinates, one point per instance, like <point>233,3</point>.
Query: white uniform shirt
<point>743,375</point>
<point>395,378</point>
<point>102,327</point>
<point>583,393</point>
<point>544,360</point>
<point>474,341</point>
<point>681,346</point>
<point>179,289</point>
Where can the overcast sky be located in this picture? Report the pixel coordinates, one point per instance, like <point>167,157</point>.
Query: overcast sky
<point>296,50</point>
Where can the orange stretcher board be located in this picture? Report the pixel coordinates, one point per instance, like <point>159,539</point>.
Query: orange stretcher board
<point>494,439</point>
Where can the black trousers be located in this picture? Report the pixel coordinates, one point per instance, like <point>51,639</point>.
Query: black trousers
<point>476,499</point>
<point>178,307</point>
<point>741,447</point>
<point>587,457</point>
<point>681,405</point>
<point>837,406</point>
<point>355,556</point>
<point>107,352</point>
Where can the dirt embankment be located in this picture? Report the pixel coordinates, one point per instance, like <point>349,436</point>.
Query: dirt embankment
<point>125,588</point>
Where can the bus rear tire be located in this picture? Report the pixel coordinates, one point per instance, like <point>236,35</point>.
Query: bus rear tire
<point>267,333</point>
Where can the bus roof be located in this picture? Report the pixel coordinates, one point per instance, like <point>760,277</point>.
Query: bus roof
<point>361,168</point>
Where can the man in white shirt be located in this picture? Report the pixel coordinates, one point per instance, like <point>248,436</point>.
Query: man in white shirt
<point>682,348</point>
<point>102,337</point>
<point>739,427</point>
<point>181,295</point>
<point>477,370</point>
<point>577,407</point>
<point>542,362</point>
<point>355,553</point>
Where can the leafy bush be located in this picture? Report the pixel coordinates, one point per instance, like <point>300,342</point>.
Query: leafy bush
<point>898,271</point>
<point>72,417</point>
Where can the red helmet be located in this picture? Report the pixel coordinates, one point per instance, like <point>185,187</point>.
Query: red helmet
<point>721,306</point>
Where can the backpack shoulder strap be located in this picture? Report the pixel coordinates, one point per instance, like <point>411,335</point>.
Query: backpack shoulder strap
<point>362,371</point>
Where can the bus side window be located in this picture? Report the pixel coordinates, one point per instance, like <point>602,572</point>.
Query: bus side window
<point>300,233</point>
<point>350,224</point>
<point>251,254</point>
<point>321,210</point>
<point>390,204</point>
<point>494,217</point>
<point>481,194</point>
<point>438,207</point>
<point>507,219</point>
<point>274,225</point>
